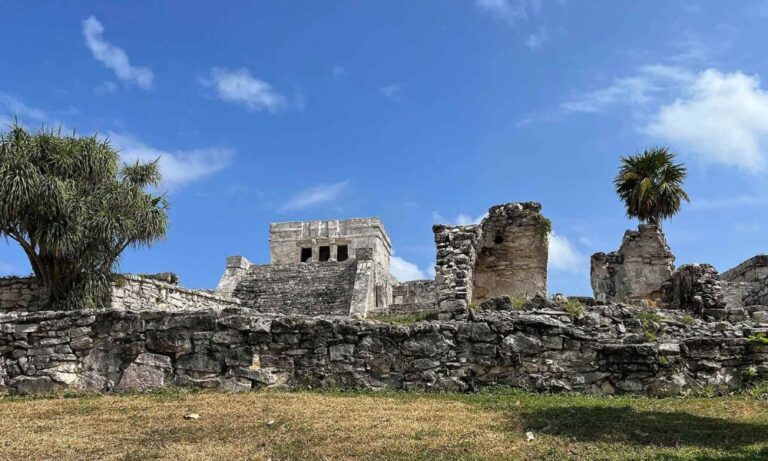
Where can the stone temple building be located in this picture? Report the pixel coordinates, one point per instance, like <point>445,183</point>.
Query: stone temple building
<point>342,267</point>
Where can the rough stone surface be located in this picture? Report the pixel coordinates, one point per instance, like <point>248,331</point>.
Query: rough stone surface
<point>753,269</point>
<point>544,349</point>
<point>505,255</point>
<point>513,252</point>
<point>694,288</point>
<point>636,272</point>
<point>306,288</point>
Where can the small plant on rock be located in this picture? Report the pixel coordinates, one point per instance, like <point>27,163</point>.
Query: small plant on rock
<point>518,304</point>
<point>573,307</point>
<point>758,341</point>
<point>687,320</point>
<point>651,323</point>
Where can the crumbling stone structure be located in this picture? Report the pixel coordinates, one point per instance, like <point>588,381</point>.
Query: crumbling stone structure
<point>128,292</point>
<point>636,272</point>
<point>693,287</point>
<point>505,255</point>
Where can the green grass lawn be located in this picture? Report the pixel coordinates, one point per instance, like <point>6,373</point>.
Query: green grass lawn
<point>282,425</point>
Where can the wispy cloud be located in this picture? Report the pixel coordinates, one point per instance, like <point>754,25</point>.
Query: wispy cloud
<point>405,270</point>
<point>11,106</point>
<point>462,219</point>
<point>315,195</point>
<point>646,86</point>
<point>338,72</point>
<point>393,92</point>
<point>240,87</point>
<point>719,203</point>
<point>114,57</point>
<point>510,11</point>
<point>564,256</point>
<point>536,40</point>
<point>178,167</point>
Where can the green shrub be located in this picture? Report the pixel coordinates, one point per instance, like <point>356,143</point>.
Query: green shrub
<point>688,320</point>
<point>573,307</point>
<point>758,341</point>
<point>651,323</point>
<point>518,304</point>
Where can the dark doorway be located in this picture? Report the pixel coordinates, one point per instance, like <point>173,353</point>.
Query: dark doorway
<point>325,254</point>
<point>306,254</point>
<point>342,253</point>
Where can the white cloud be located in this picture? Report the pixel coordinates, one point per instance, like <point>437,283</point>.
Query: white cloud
<point>105,88</point>
<point>393,92</point>
<point>404,270</point>
<point>461,219</point>
<point>178,167</point>
<point>646,86</point>
<point>240,87</point>
<point>114,57</point>
<point>718,203</point>
<point>315,195</point>
<point>564,256</point>
<point>14,107</point>
<point>510,11</point>
<point>536,40</point>
<point>721,118</point>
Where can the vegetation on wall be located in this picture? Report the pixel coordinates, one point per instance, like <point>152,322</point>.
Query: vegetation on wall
<point>74,209</point>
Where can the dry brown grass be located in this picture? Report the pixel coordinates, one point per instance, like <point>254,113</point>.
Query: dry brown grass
<point>235,426</point>
<point>388,426</point>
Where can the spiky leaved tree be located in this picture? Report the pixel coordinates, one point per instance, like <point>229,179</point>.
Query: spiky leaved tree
<point>651,185</point>
<point>74,209</point>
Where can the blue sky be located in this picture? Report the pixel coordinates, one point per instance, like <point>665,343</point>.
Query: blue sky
<point>416,112</point>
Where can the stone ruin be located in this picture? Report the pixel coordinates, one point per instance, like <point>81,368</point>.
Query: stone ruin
<point>635,272</point>
<point>505,255</point>
<point>304,319</point>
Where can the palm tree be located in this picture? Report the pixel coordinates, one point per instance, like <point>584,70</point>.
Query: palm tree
<point>651,185</point>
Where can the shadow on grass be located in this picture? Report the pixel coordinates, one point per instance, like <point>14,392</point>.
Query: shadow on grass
<point>657,428</point>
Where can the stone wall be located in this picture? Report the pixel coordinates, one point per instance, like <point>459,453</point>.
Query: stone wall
<point>513,252</point>
<point>454,268</point>
<point>754,269</point>
<point>137,293</point>
<point>694,288</point>
<point>758,294</point>
<point>129,292</point>
<point>505,255</point>
<point>306,288</point>
<point>636,272</point>
<point>18,294</point>
<point>601,351</point>
<point>413,296</point>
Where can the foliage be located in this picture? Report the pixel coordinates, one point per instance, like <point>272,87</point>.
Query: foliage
<point>651,185</point>
<point>758,341</point>
<point>545,225</point>
<point>573,307</point>
<point>518,304</point>
<point>651,323</point>
<point>687,319</point>
<point>73,210</point>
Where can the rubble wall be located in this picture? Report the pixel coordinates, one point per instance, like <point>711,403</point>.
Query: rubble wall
<point>605,350</point>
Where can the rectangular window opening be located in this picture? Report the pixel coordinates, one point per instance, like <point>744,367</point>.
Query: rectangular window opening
<point>342,253</point>
<point>306,254</point>
<point>325,254</point>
